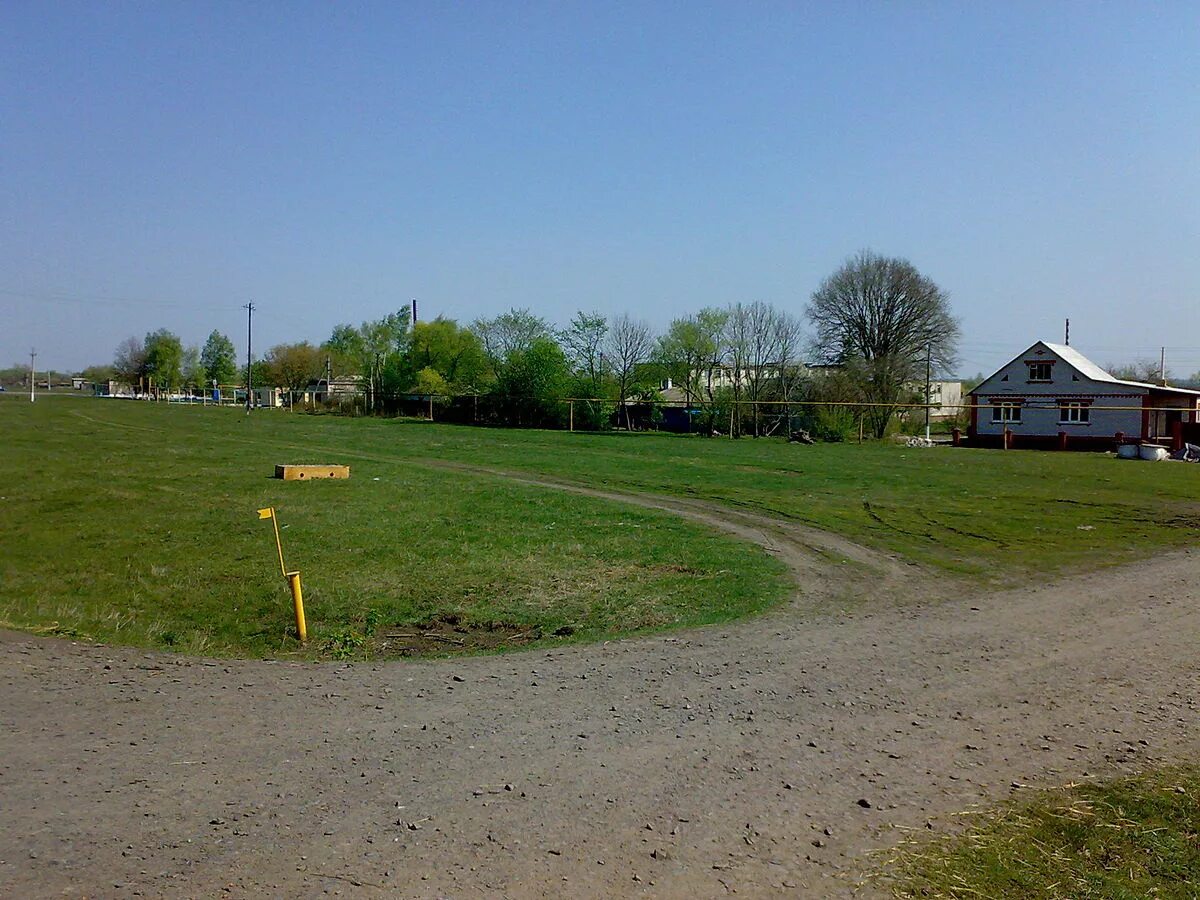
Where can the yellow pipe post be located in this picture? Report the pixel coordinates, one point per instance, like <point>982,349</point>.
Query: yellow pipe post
<point>293,578</point>
<point>298,601</point>
<point>278,542</point>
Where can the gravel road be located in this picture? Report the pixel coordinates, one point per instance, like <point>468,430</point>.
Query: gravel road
<point>763,758</point>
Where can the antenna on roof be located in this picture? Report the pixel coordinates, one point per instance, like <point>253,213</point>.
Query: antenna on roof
<point>1067,340</point>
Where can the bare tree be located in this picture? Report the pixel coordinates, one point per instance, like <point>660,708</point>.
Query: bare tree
<point>789,337</point>
<point>772,338</point>
<point>129,362</point>
<point>739,332</point>
<point>630,344</point>
<point>1149,371</point>
<point>508,333</point>
<point>879,317</point>
<point>583,341</point>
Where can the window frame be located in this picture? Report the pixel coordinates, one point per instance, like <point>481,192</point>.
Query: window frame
<point>1040,364</point>
<point>1007,412</point>
<point>1082,410</point>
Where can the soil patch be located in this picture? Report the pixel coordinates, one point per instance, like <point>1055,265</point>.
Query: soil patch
<point>451,634</point>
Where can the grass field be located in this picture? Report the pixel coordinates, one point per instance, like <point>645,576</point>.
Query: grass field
<point>129,523</point>
<point>991,514</point>
<point>1125,838</point>
<point>135,522</point>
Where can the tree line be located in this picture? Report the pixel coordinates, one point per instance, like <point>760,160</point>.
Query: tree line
<point>874,325</point>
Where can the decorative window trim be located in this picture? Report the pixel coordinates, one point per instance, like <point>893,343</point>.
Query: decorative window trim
<point>1037,364</point>
<point>1006,411</point>
<point>1074,412</point>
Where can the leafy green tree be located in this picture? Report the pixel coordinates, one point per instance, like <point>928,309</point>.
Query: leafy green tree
<point>192,368</point>
<point>453,352</point>
<point>430,382</point>
<point>164,359</point>
<point>293,366</point>
<point>375,350</point>
<point>94,374</point>
<point>383,345</point>
<point>219,359</point>
<point>263,376</point>
<point>531,384</point>
<point>345,350</point>
<point>692,351</point>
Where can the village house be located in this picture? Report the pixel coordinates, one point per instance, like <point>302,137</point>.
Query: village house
<point>1053,396</point>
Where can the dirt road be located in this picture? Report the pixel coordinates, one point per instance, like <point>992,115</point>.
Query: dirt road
<point>761,758</point>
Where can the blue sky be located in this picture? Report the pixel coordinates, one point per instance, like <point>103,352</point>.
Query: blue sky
<point>161,164</point>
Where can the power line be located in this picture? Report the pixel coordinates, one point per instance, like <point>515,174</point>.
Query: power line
<point>44,297</point>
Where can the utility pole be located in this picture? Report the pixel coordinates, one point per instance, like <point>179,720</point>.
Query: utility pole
<point>1068,335</point>
<point>32,381</point>
<point>249,307</point>
<point>1162,365</point>
<point>928,374</point>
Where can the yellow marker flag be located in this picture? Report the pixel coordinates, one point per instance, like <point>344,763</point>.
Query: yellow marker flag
<point>265,513</point>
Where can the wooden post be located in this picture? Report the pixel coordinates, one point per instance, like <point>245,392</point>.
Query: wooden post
<point>956,436</point>
<point>431,407</point>
<point>571,415</point>
<point>1062,440</point>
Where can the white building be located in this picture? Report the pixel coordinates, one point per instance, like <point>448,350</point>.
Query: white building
<point>1052,395</point>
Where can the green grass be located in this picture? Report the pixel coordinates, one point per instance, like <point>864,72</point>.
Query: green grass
<point>1000,516</point>
<point>129,523</point>
<point>135,522</point>
<point>1123,839</point>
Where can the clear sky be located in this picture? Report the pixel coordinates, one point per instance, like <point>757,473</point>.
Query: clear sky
<point>163,163</point>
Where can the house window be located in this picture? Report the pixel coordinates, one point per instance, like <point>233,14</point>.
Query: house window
<point>1072,413</point>
<point>1006,413</point>
<point>1040,371</point>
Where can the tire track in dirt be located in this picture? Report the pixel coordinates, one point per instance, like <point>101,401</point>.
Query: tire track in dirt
<point>811,554</point>
<point>727,758</point>
<point>688,764</point>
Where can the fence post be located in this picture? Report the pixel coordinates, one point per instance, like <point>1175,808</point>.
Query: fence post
<point>571,415</point>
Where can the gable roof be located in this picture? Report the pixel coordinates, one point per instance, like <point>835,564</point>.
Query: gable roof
<point>1086,368</point>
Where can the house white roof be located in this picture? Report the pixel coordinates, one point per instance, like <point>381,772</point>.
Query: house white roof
<point>1090,370</point>
<point>1086,367</point>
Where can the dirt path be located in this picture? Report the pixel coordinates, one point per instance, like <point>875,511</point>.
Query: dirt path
<point>808,552</point>
<point>719,760</point>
